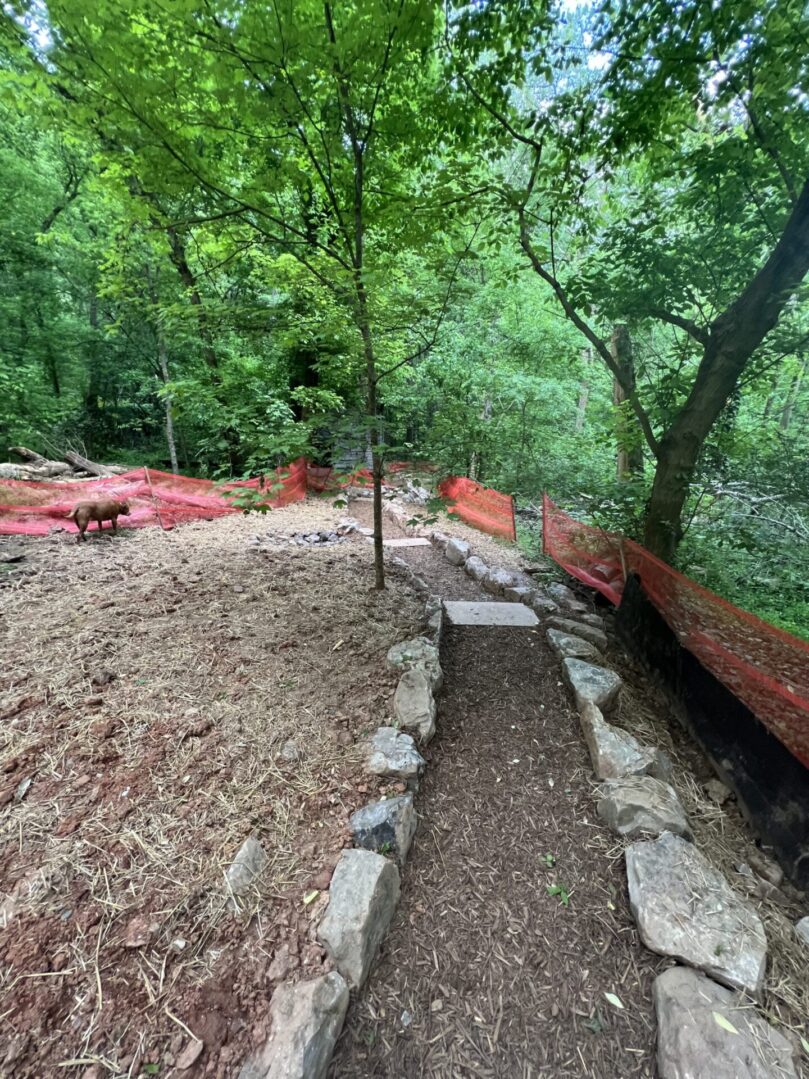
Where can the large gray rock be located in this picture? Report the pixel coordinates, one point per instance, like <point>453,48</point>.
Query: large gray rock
<point>497,581</point>
<point>802,930</point>
<point>456,552</point>
<point>686,909</point>
<point>519,594</point>
<point>587,632</point>
<point>362,898</point>
<point>418,653</point>
<point>386,827</point>
<point>434,609</point>
<point>597,685</point>
<point>394,754</point>
<point>569,647</point>
<point>306,1021</point>
<point>641,805</point>
<point>246,867</point>
<point>561,594</point>
<point>691,1044</point>
<point>413,704</point>
<point>616,753</point>
<point>542,604</point>
<point>440,540</point>
<point>591,620</point>
<point>475,567</point>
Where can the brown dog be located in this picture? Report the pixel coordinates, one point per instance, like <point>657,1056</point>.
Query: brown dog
<point>85,512</point>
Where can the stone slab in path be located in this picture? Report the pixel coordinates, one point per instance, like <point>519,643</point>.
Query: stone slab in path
<point>489,614</point>
<point>691,1042</point>
<point>411,541</point>
<point>687,910</point>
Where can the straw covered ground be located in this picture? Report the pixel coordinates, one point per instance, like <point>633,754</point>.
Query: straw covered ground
<point>163,697</point>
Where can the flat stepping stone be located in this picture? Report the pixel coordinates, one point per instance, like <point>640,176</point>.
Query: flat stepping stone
<point>412,541</point>
<point>708,1032</point>
<point>641,805</point>
<point>489,614</point>
<point>687,910</point>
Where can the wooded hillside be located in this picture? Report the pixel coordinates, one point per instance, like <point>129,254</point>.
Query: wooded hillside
<point>546,246</point>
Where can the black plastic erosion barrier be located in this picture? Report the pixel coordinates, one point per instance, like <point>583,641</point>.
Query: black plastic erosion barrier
<point>771,785</point>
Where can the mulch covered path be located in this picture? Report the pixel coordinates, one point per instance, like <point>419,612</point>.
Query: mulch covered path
<point>514,920</point>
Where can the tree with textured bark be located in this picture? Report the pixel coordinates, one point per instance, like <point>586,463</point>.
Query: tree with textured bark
<point>689,127</point>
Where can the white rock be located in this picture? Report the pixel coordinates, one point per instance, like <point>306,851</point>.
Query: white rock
<point>475,567</point>
<point>456,552</point>
<point>362,898</point>
<point>640,805</point>
<point>802,930</point>
<point>591,620</point>
<point>587,632</point>
<point>497,580</point>
<point>413,704</point>
<point>589,683</point>
<point>394,754</point>
<point>306,1021</point>
<point>686,909</point>
<point>387,826</point>
<point>614,752</point>
<point>246,867</point>
<point>420,654</point>
<point>691,1044</point>
<point>569,647</point>
<point>440,540</point>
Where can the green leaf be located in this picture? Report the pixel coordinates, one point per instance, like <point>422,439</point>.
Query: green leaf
<point>724,1023</point>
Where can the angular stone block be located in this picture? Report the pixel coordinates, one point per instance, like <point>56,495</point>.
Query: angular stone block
<point>691,1043</point>
<point>686,909</point>
<point>306,1021</point>
<point>362,898</point>
<point>386,826</point>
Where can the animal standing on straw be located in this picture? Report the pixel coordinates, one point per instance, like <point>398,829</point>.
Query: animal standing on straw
<point>85,512</point>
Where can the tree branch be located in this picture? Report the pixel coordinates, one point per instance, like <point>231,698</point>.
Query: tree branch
<point>699,333</point>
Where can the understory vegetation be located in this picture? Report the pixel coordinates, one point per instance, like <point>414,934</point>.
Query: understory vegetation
<point>552,247</point>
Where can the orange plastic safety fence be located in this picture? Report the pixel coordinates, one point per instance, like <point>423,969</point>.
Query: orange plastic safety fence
<point>488,510</point>
<point>154,497</point>
<point>765,667</point>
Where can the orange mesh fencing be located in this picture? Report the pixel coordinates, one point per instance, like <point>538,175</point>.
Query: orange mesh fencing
<point>765,667</point>
<point>481,507</point>
<point>154,497</point>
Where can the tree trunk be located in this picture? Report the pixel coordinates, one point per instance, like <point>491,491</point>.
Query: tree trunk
<point>628,437</point>
<point>584,392</point>
<point>364,324</point>
<point>180,260</point>
<point>792,397</point>
<point>163,360</point>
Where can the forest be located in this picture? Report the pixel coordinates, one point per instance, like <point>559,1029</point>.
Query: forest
<point>553,247</point>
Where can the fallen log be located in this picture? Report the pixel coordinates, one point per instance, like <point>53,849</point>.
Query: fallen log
<point>82,464</point>
<point>28,455</point>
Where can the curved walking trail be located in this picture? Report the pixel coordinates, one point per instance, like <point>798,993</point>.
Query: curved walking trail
<point>514,921</point>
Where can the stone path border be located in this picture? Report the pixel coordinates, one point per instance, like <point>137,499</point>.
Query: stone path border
<point>679,901</point>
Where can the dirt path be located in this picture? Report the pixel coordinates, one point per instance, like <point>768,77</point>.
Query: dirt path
<point>484,973</point>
